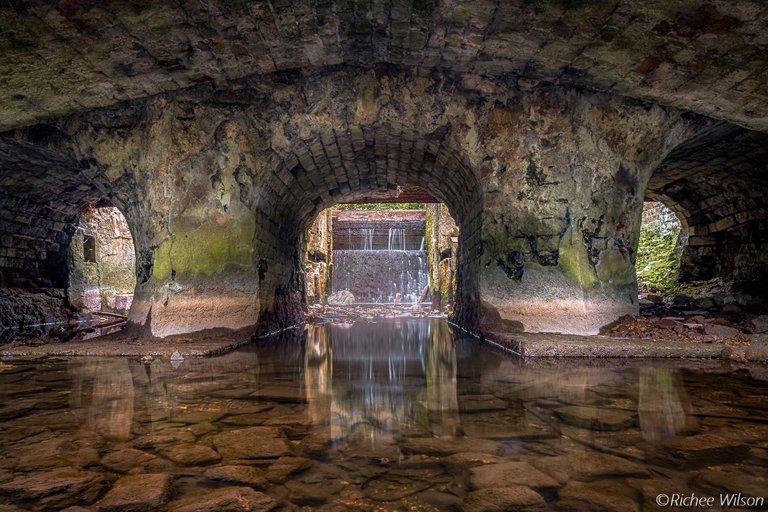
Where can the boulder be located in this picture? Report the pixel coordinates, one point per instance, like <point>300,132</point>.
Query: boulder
<point>341,298</point>
<point>759,324</point>
<point>720,330</point>
<point>758,348</point>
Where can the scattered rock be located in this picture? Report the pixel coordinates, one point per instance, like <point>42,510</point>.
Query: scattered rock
<point>720,330</point>
<point>136,493</point>
<point>226,499</point>
<point>655,298</point>
<point>759,324</point>
<point>502,499</point>
<point>758,348</point>
<point>683,300</point>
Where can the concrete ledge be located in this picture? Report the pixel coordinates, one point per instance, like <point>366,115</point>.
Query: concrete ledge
<point>565,345</point>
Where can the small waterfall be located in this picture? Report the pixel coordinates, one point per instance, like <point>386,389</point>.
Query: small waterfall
<point>367,236</point>
<point>396,239</point>
<point>378,270</point>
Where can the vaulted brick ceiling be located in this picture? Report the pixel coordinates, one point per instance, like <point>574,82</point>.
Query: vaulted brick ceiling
<point>708,57</point>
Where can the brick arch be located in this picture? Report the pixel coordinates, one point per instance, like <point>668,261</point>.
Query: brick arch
<point>341,165</point>
<point>717,184</point>
<point>41,198</point>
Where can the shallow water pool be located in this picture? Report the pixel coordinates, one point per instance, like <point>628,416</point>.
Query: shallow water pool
<point>406,414</point>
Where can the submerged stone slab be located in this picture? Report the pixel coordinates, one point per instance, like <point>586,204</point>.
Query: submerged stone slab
<point>136,493</point>
<point>597,497</point>
<point>191,454</point>
<point>595,418</point>
<point>503,499</point>
<point>511,473</point>
<point>449,446</point>
<point>226,499</point>
<point>56,489</point>
<point>702,450</point>
<point>252,443</point>
<point>126,460</point>
<point>480,403</point>
<point>587,466</point>
<point>247,475</point>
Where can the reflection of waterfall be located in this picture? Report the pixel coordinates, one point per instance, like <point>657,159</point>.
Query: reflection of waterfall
<point>660,403</point>
<point>365,375</point>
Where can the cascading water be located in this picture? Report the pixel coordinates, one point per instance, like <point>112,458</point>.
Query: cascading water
<point>382,261</point>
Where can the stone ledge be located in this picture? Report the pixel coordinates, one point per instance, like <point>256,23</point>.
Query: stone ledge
<point>543,345</point>
<point>110,346</point>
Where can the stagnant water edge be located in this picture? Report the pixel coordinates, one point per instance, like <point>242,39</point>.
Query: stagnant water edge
<point>400,414</point>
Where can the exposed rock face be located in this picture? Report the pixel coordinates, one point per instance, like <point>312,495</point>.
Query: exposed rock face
<point>218,185</point>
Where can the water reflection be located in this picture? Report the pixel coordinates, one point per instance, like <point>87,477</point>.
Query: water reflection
<point>662,403</point>
<point>398,415</point>
<point>397,379</point>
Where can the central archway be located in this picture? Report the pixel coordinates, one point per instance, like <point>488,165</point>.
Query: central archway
<point>348,164</point>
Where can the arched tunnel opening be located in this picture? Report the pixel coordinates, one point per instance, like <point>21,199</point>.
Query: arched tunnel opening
<point>102,261</point>
<point>395,250</point>
<point>354,166</point>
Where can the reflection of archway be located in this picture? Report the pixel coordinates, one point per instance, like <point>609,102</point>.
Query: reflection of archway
<point>360,161</point>
<point>717,185</point>
<point>102,261</point>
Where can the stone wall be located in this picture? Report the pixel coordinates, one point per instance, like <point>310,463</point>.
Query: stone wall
<point>219,184</point>
<point>317,260</point>
<point>106,281</point>
<point>442,246</point>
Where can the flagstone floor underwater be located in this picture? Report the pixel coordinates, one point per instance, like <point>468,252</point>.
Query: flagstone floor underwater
<point>405,414</point>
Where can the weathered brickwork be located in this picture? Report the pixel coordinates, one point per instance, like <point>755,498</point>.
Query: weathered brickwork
<point>717,183</point>
<point>66,57</point>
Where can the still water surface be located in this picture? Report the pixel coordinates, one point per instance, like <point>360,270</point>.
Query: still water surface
<point>402,415</point>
